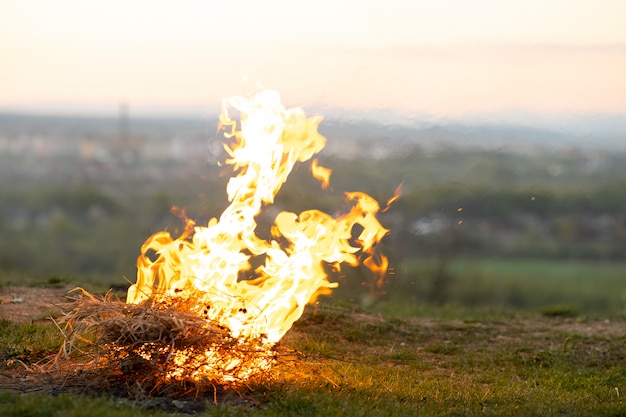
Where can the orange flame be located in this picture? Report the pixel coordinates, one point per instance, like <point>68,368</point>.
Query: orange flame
<point>212,262</point>
<point>321,173</point>
<point>396,196</point>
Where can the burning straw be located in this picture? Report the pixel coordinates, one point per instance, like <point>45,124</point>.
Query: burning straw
<point>156,348</point>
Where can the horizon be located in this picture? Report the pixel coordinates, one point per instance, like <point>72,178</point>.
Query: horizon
<point>388,116</point>
<point>604,130</point>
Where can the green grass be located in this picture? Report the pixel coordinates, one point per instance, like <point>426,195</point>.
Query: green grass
<point>358,364</point>
<point>27,342</point>
<point>537,285</point>
<point>14,405</point>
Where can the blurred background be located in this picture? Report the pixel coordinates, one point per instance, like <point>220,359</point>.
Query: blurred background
<point>505,121</point>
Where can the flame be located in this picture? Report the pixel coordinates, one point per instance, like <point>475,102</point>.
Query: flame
<point>395,197</point>
<point>321,173</point>
<point>212,264</point>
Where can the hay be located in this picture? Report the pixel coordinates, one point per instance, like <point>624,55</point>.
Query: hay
<point>157,348</point>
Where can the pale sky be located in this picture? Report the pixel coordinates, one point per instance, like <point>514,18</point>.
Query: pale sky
<point>444,57</point>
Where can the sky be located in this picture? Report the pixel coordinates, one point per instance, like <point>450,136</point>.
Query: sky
<point>444,58</point>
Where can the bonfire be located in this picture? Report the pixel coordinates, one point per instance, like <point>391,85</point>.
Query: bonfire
<point>199,316</point>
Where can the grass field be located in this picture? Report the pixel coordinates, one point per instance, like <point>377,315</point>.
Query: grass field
<point>353,363</point>
<point>538,338</point>
<point>580,287</point>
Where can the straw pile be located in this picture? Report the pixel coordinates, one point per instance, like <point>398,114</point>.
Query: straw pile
<point>154,349</point>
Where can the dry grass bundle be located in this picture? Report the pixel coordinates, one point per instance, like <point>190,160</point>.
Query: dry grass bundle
<point>155,349</point>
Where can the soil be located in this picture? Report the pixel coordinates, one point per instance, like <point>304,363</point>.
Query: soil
<point>31,304</point>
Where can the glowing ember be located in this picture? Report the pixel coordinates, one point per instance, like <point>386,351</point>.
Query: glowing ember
<point>208,267</point>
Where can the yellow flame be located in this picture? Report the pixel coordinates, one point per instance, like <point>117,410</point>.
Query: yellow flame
<point>321,173</point>
<point>212,262</point>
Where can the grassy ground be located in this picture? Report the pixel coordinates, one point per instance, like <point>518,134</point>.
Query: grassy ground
<point>358,364</point>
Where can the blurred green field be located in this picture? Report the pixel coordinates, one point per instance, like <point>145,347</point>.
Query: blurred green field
<point>547,286</point>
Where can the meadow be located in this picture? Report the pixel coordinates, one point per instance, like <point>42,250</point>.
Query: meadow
<point>396,357</point>
<point>355,364</point>
<point>574,287</point>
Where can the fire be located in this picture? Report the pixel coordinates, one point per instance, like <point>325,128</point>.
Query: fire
<point>321,173</point>
<point>396,196</point>
<point>210,266</point>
